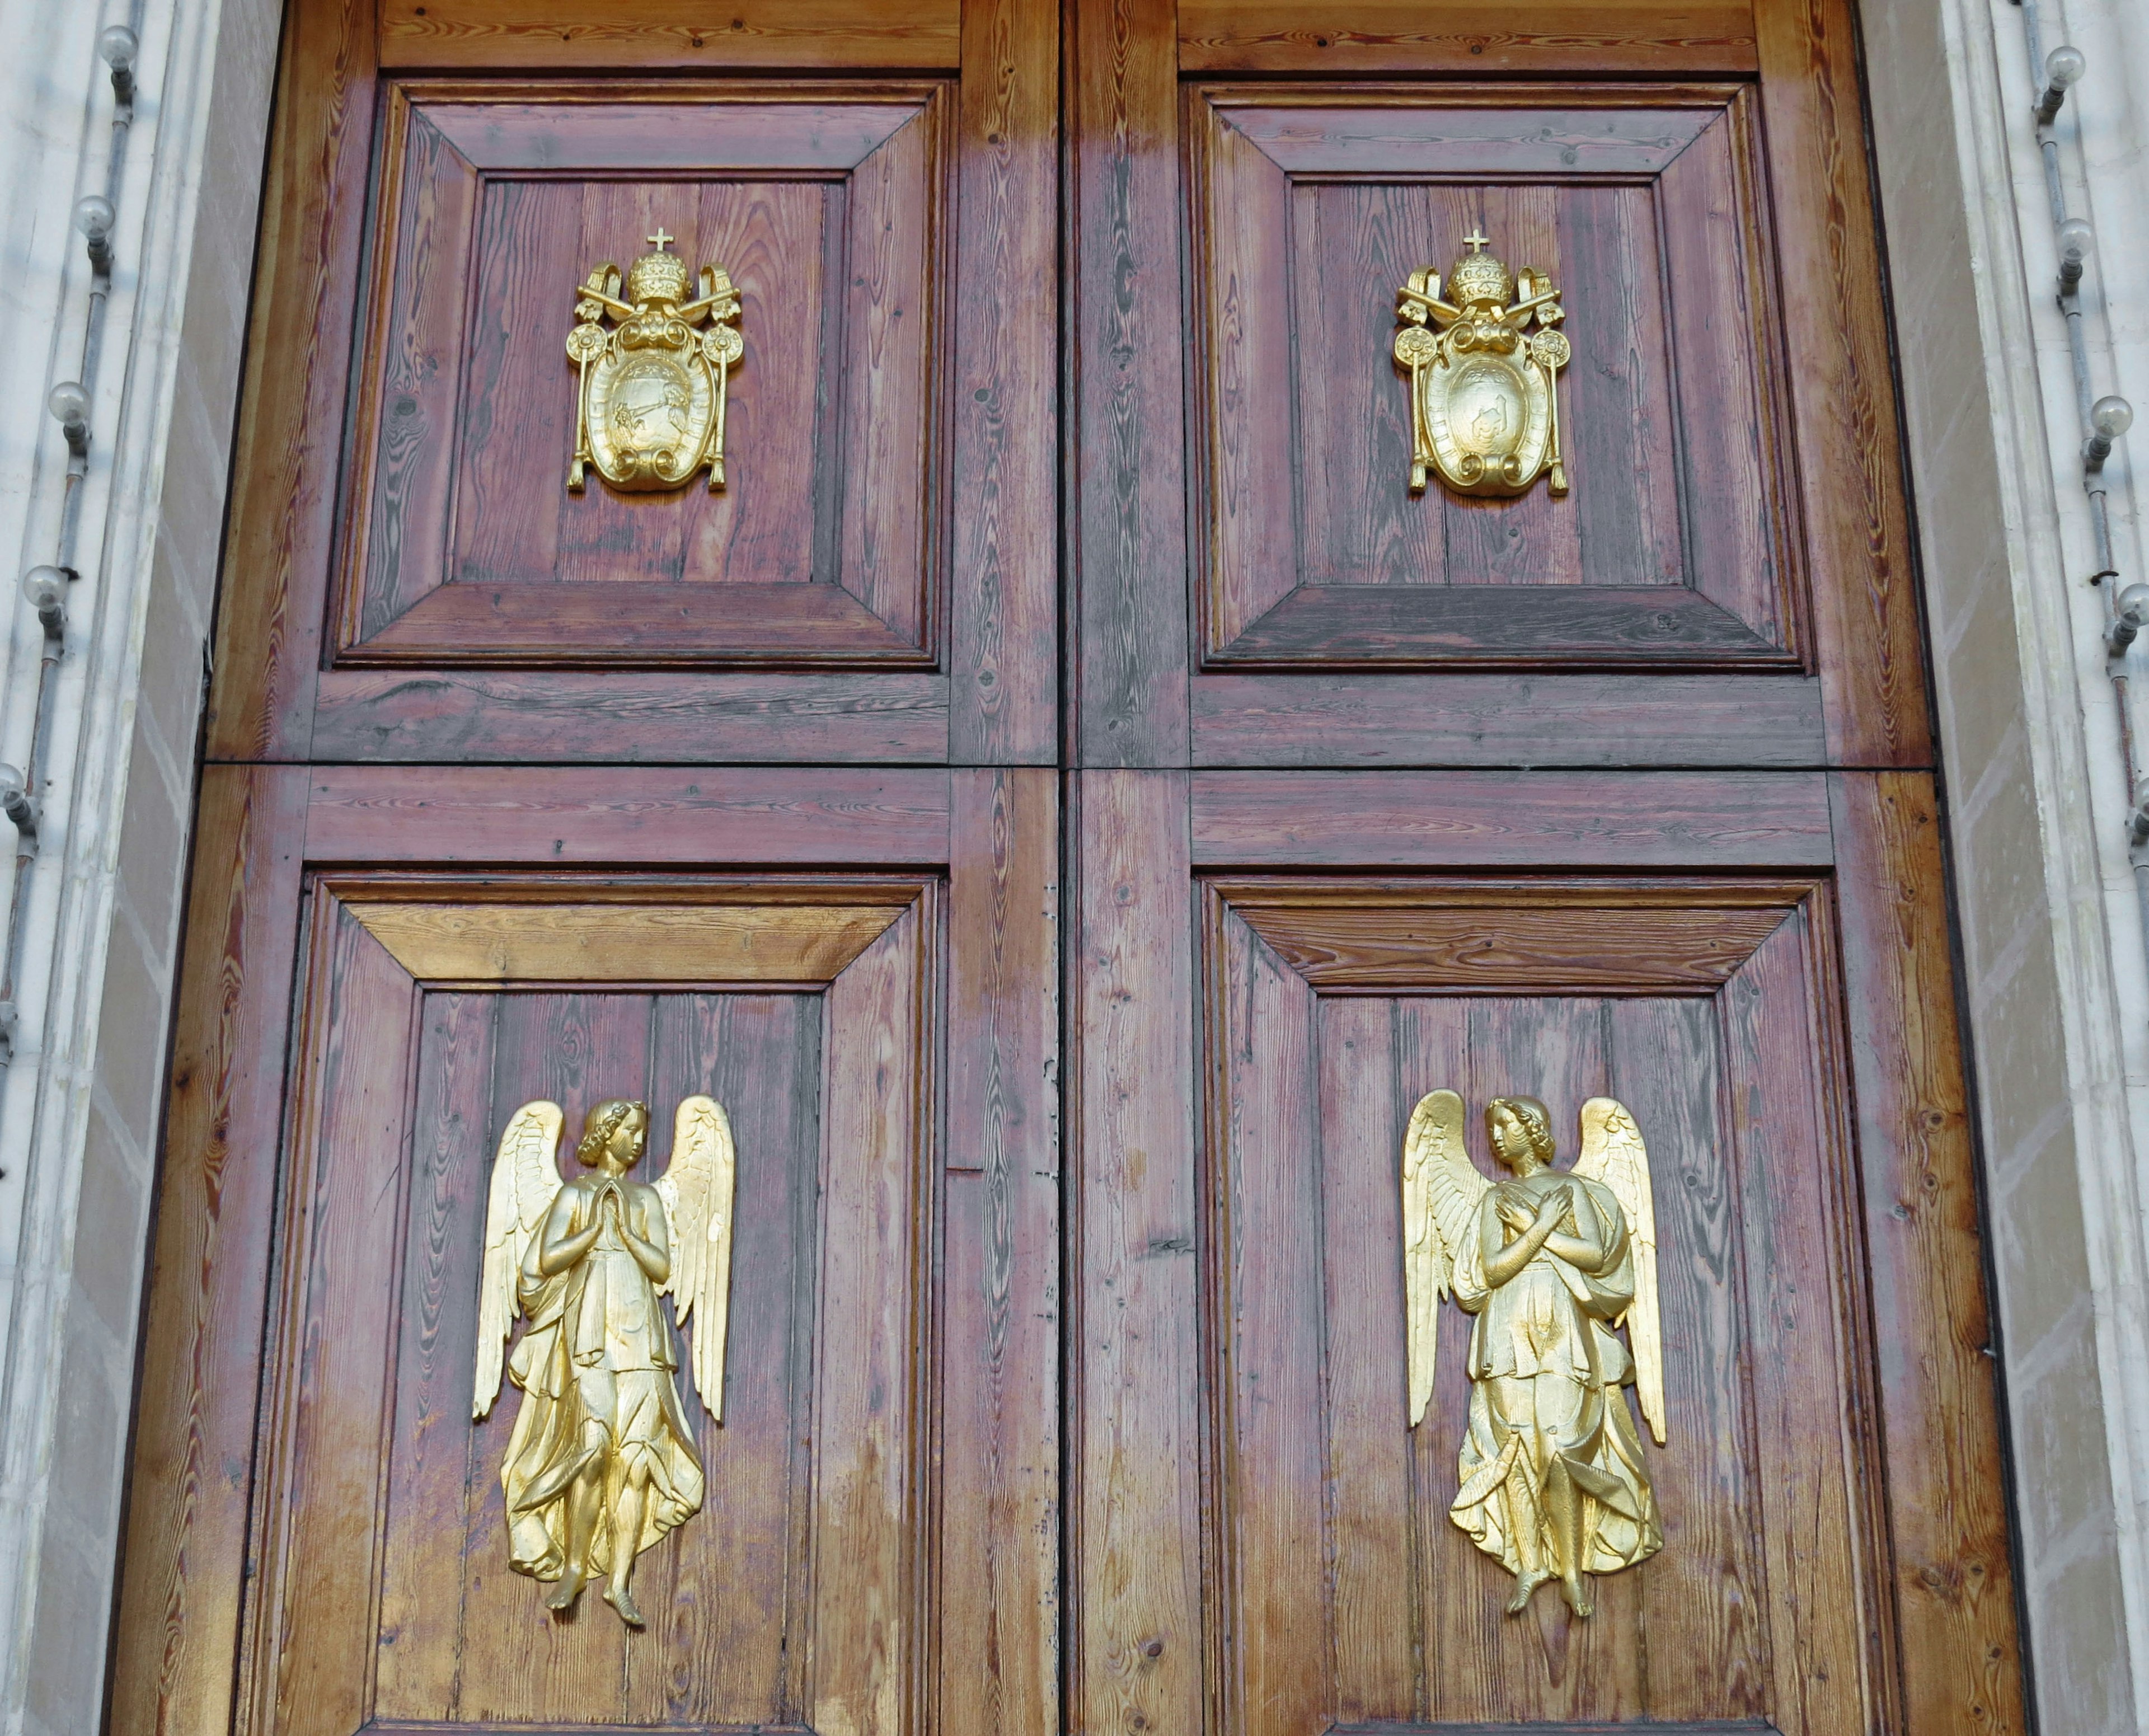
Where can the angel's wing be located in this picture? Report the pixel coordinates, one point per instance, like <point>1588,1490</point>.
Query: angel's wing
<point>697,1187</point>
<point>1613,1153</point>
<point>1441,1188</point>
<point>526,1176</point>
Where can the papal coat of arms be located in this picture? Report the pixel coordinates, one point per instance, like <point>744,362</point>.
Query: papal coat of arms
<point>650,411</point>
<point>1483,387</point>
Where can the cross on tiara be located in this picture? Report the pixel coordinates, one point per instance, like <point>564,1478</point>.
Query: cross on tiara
<point>659,240</point>
<point>1476,241</point>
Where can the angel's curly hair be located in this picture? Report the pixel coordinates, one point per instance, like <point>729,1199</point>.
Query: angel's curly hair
<point>600,1123</point>
<point>1533,1114</point>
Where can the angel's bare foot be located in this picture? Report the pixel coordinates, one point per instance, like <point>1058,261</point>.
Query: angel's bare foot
<point>1526,1585</point>
<point>1577,1596</point>
<point>616,1595</point>
<point>564,1594</point>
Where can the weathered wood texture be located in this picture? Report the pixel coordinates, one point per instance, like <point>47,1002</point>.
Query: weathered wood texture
<point>1584,37</point>
<point>1867,644</point>
<point>561,35</point>
<point>1946,1527</point>
<point>818,202</point>
<point>998,1583</point>
<point>1135,1505</point>
<point>1316,1462</point>
<point>1127,542</point>
<point>1309,213</point>
<point>895,1350</point>
<point>1004,636</point>
<point>1279,720</point>
<point>1515,819</point>
<point>891,452</point>
<point>449,815</point>
<point>191,1497</point>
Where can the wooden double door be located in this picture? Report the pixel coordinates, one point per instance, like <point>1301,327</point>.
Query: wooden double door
<point>1067,798</point>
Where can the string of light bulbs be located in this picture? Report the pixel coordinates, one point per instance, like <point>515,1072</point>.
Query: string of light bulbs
<point>45,587</point>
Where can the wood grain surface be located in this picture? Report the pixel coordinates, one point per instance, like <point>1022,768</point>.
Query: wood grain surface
<point>1127,538</point>
<point>496,203</point>
<point>448,815</point>
<point>1582,36</point>
<point>1135,1593</point>
<point>1308,216</point>
<point>1005,571</point>
<point>1936,1377</point>
<point>1311,1096</point>
<point>815,34</point>
<point>1513,819</point>
<point>1526,718</point>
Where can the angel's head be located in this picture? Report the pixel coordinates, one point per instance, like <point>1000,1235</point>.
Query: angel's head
<point>613,1134</point>
<point>1520,1129</point>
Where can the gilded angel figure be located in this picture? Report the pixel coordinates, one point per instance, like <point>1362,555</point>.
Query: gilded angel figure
<point>1550,1262</point>
<point>601,1463</point>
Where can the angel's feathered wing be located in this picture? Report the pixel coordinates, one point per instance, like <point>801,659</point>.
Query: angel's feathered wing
<point>696,1188</point>
<point>1441,1190</point>
<point>1613,1153</point>
<point>525,1177</point>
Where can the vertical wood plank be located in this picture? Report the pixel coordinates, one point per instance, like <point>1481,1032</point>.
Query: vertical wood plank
<point>868,1565</point>
<point>1953,1581</point>
<point>188,1505</point>
<point>1000,1383</point>
<point>1375,1624</point>
<point>291,414</point>
<point>1865,607</point>
<point>1263,1369</point>
<point>329,1398</point>
<point>1810,1464</point>
<point>1003,653</point>
<point>438,1466</point>
<point>1129,564</point>
<point>1137,1502</point>
<point>1705,1595</point>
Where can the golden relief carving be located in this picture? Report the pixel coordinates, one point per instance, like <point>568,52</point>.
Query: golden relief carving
<point>1484,389</point>
<point>1549,1262</point>
<point>649,409</point>
<point>601,1463</point>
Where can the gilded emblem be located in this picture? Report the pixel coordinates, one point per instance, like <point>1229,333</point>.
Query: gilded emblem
<point>1549,1262</point>
<point>1483,387</point>
<point>650,408</point>
<point>601,1462</point>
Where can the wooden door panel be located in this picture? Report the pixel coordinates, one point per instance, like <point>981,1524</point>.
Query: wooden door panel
<point>412,579</point>
<point>1672,547</point>
<point>1766,1464</point>
<point>890,1397</point>
<point>559,33</point>
<point>497,201</point>
<point>1753,963</point>
<point>1736,502</point>
<point>1582,36</point>
<point>815,1548</point>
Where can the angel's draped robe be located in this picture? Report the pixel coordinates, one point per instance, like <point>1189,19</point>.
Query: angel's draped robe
<point>598,1352</point>
<point>1553,1319</point>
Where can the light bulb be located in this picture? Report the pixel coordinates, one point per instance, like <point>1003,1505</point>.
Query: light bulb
<point>2077,240</point>
<point>2111,417</point>
<point>69,402</point>
<point>118,46</point>
<point>10,783</point>
<point>92,216</point>
<point>2134,605</point>
<point>2065,65</point>
<point>44,587</point>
